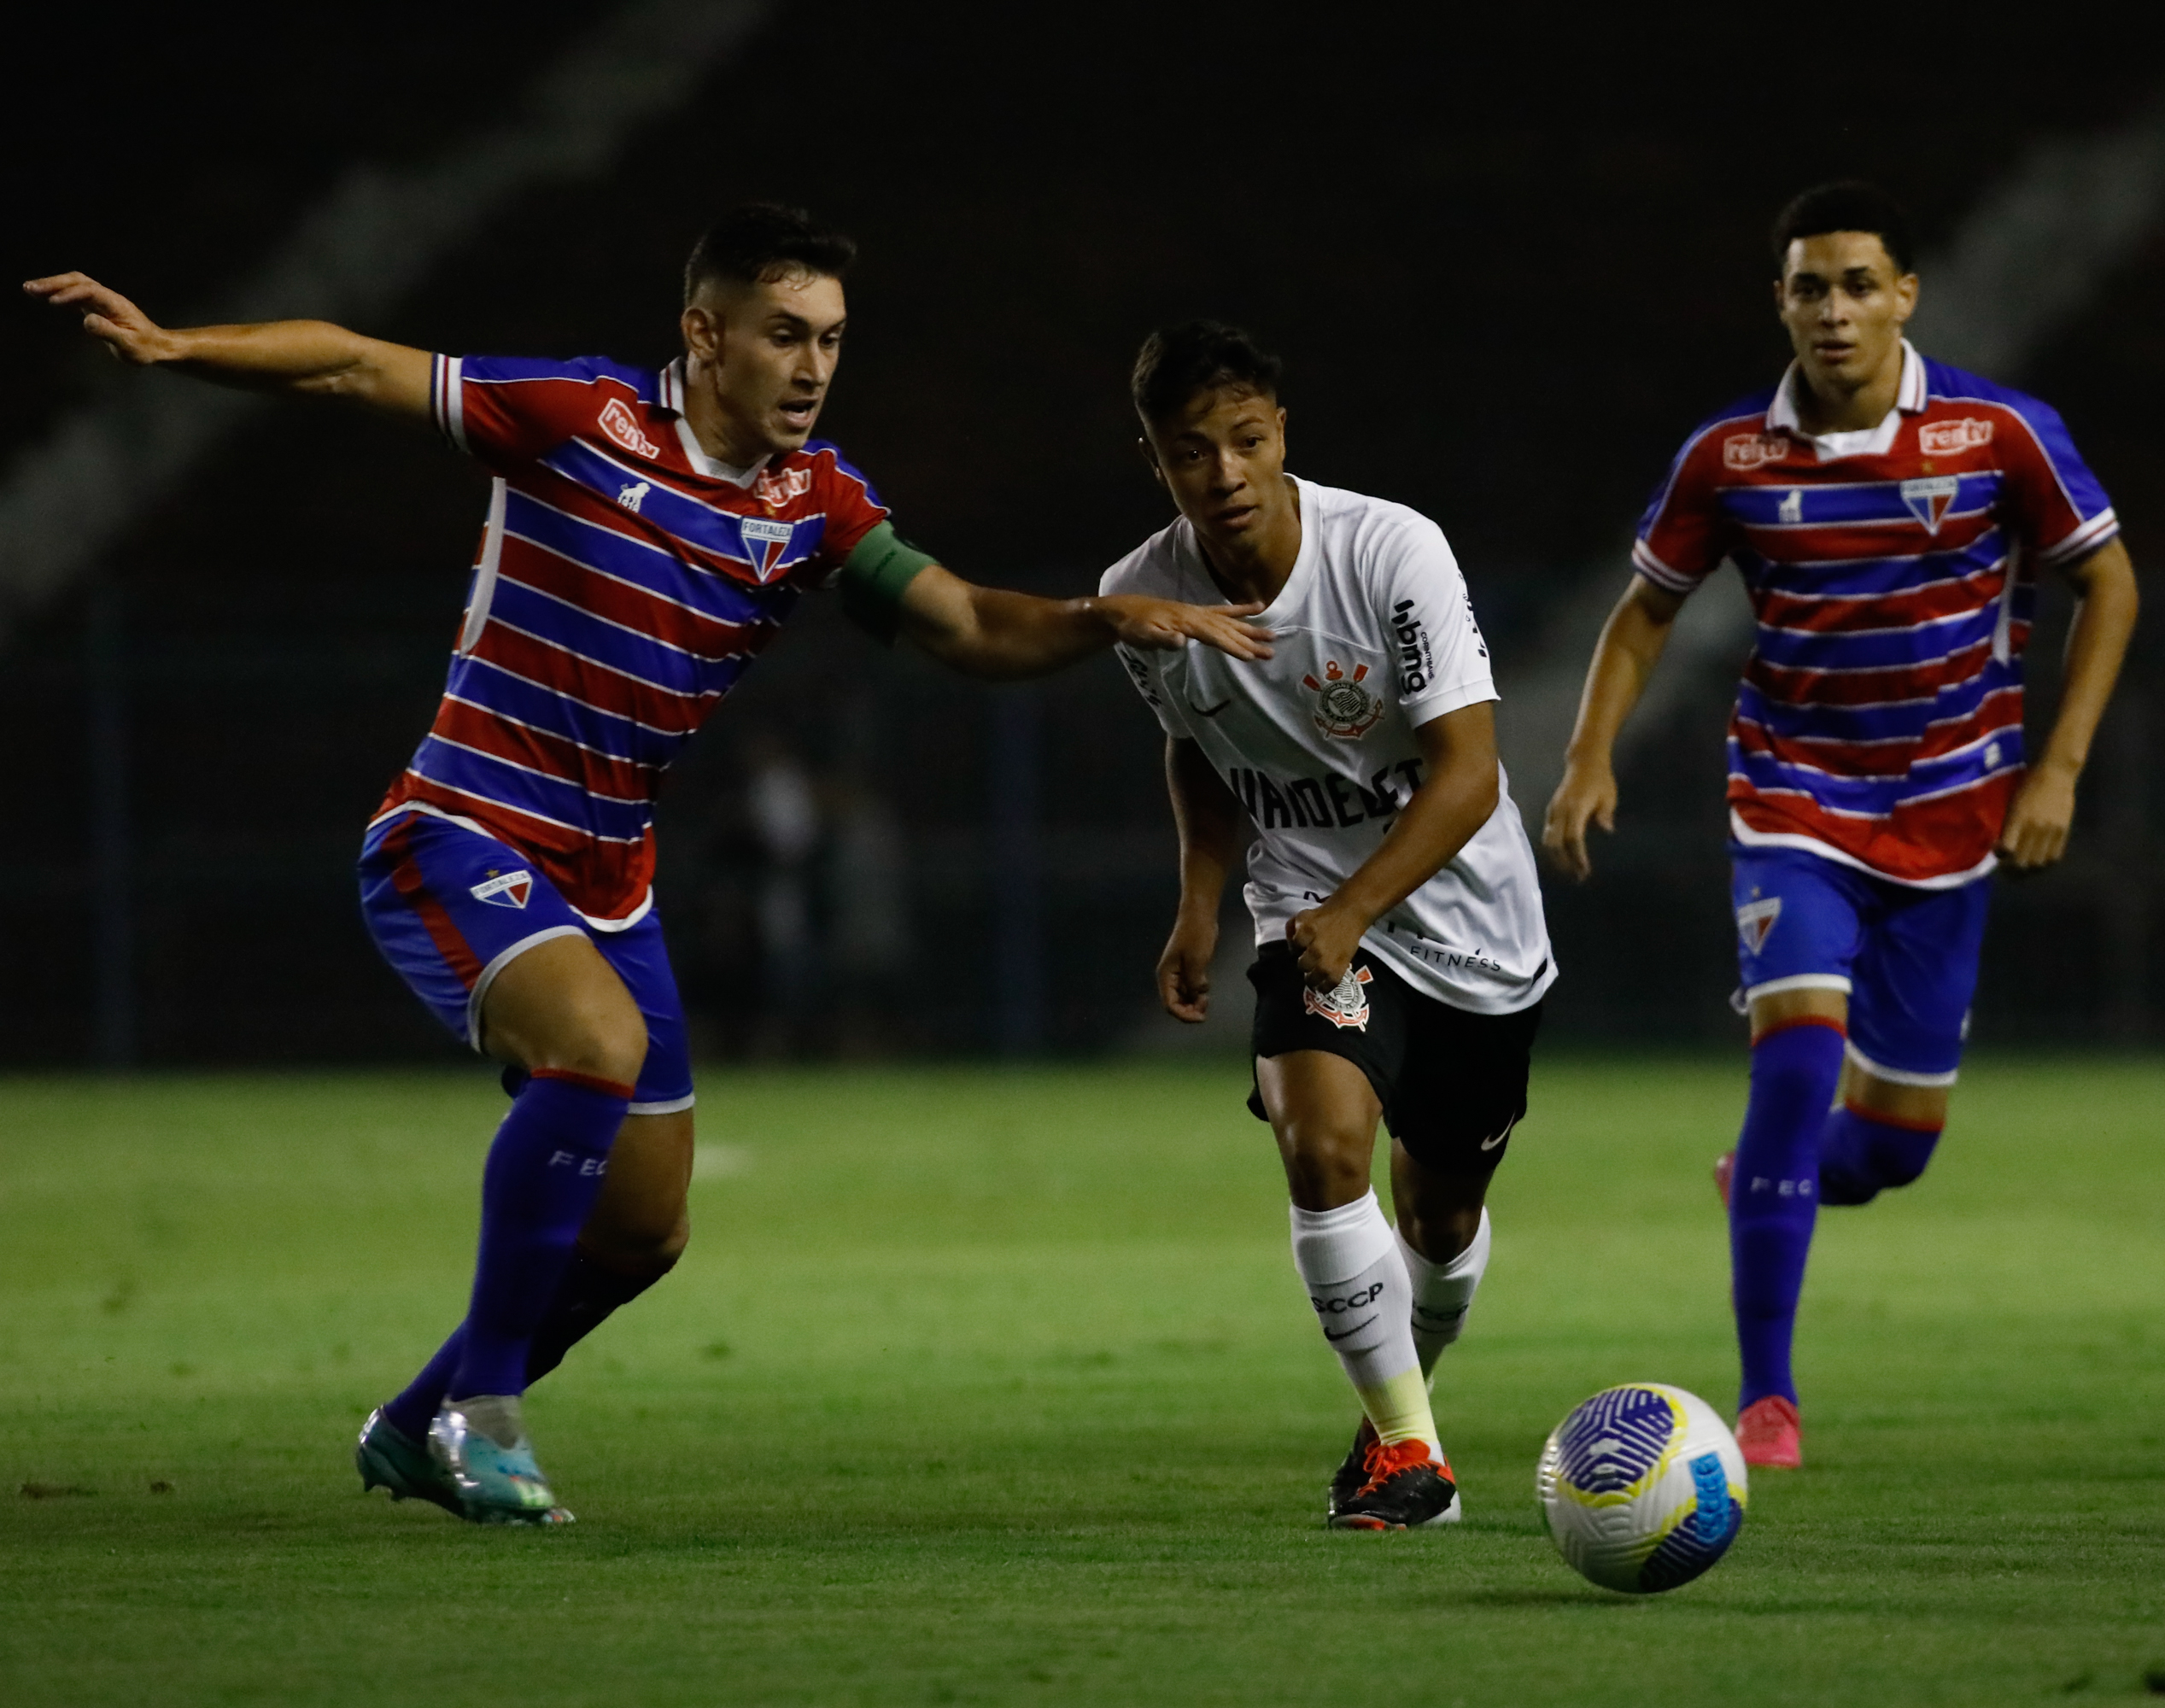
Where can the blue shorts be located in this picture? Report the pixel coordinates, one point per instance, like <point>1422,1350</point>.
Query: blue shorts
<point>1907,958</point>
<point>451,907</point>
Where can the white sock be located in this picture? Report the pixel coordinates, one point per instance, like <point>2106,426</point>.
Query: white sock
<point>1357,1284</point>
<point>1443,1293</point>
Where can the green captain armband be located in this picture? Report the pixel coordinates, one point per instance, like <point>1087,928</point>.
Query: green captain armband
<point>874,576</point>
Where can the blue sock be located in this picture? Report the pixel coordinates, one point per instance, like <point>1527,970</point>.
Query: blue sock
<point>1773,1194</point>
<point>411,1412</point>
<point>1860,1155</point>
<point>544,1171</point>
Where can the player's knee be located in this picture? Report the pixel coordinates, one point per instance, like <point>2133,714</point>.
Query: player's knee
<point>607,1042</point>
<point>1326,1162</point>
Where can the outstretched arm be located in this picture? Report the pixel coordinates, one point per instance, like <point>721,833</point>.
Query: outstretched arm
<point>310,357</point>
<point>1459,790</point>
<point>1208,818</point>
<point>2036,832</point>
<point>990,632</point>
<point>1624,658</point>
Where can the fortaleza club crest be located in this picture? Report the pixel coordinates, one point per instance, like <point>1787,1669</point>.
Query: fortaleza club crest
<point>764,542</point>
<point>1929,499</point>
<point>1345,708</point>
<point>506,889</point>
<point>1754,919</point>
<point>1347,1005</point>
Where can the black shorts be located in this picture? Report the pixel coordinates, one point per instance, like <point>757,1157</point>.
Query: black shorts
<point>1453,1083</point>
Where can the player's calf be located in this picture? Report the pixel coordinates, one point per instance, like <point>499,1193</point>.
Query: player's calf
<point>1862,1153</point>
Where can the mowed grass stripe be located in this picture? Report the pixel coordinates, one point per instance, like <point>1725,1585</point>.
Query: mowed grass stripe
<point>996,1386</point>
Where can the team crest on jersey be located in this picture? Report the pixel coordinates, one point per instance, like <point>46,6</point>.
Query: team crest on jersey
<point>1753,450</point>
<point>1345,709</point>
<point>1949,438</point>
<point>766,542</point>
<point>1345,1006</point>
<point>1928,499</point>
<point>621,426</point>
<point>775,490</point>
<point>505,889</point>
<point>1754,919</point>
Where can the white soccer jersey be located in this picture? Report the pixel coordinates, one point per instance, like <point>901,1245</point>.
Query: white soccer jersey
<point>1373,635</point>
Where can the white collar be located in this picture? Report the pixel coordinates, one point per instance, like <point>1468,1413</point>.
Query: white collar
<point>672,402</point>
<point>1909,397</point>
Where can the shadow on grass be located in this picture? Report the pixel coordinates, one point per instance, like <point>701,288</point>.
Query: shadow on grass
<point>1586,1596</point>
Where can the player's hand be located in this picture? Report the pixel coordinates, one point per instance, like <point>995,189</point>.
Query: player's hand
<point>1325,938</point>
<point>2035,834</point>
<point>1587,795</point>
<point>1183,970</point>
<point>128,334</point>
<point>1165,625</point>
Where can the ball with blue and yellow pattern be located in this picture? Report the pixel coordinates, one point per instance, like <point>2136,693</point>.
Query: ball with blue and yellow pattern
<point>1643,1487</point>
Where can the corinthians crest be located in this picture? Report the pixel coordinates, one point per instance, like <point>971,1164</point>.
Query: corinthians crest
<point>1344,1006</point>
<point>1343,708</point>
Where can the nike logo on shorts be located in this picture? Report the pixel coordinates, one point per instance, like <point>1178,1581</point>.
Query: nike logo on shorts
<point>1209,710</point>
<point>1491,1144</point>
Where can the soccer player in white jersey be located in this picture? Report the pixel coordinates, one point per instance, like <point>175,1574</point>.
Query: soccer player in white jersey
<point>1402,955</point>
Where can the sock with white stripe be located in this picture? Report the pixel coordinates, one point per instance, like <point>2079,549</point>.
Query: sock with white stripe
<point>1348,1257</point>
<point>1443,1294</point>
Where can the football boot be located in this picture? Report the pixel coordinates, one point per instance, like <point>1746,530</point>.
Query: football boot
<point>1353,1472</point>
<point>1407,1487</point>
<point>1769,1434</point>
<point>495,1484</point>
<point>389,1458</point>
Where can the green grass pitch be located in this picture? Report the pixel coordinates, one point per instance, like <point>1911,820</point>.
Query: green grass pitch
<point>984,1386</point>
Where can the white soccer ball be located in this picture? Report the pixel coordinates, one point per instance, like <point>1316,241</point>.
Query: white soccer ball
<point>1643,1487</point>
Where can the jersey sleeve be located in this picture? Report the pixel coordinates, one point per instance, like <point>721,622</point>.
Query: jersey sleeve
<point>1683,537</point>
<point>851,508</point>
<point>1143,670</point>
<point>509,410</point>
<point>1155,695</point>
<point>1440,663</point>
<point>2060,509</point>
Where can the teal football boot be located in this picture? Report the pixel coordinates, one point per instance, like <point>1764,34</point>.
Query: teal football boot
<point>388,1458</point>
<point>495,1483</point>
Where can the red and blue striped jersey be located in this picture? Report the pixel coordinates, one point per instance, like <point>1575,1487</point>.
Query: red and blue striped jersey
<point>623,582</point>
<point>1894,575</point>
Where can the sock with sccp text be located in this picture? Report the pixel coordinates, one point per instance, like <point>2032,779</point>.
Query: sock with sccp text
<point>1774,1195</point>
<point>544,1171</point>
<point>1443,1294</point>
<point>1348,1257</point>
<point>1861,1155</point>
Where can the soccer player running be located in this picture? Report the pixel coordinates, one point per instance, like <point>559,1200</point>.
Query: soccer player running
<point>1888,514</point>
<point>1401,952</point>
<point>648,533</point>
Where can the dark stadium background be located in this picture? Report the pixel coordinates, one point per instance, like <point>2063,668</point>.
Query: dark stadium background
<point>1510,259</point>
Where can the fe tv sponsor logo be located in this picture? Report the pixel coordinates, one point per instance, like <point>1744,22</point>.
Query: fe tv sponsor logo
<point>1950,438</point>
<point>1748,451</point>
<point>621,427</point>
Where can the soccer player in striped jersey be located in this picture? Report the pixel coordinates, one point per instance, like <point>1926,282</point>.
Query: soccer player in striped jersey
<point>1890,515</point>
<point>648,534</point>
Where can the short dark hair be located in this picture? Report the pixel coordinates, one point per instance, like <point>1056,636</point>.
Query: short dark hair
<point>761,241</point>
<point>1176,362</point>
<point>1848,205</point>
